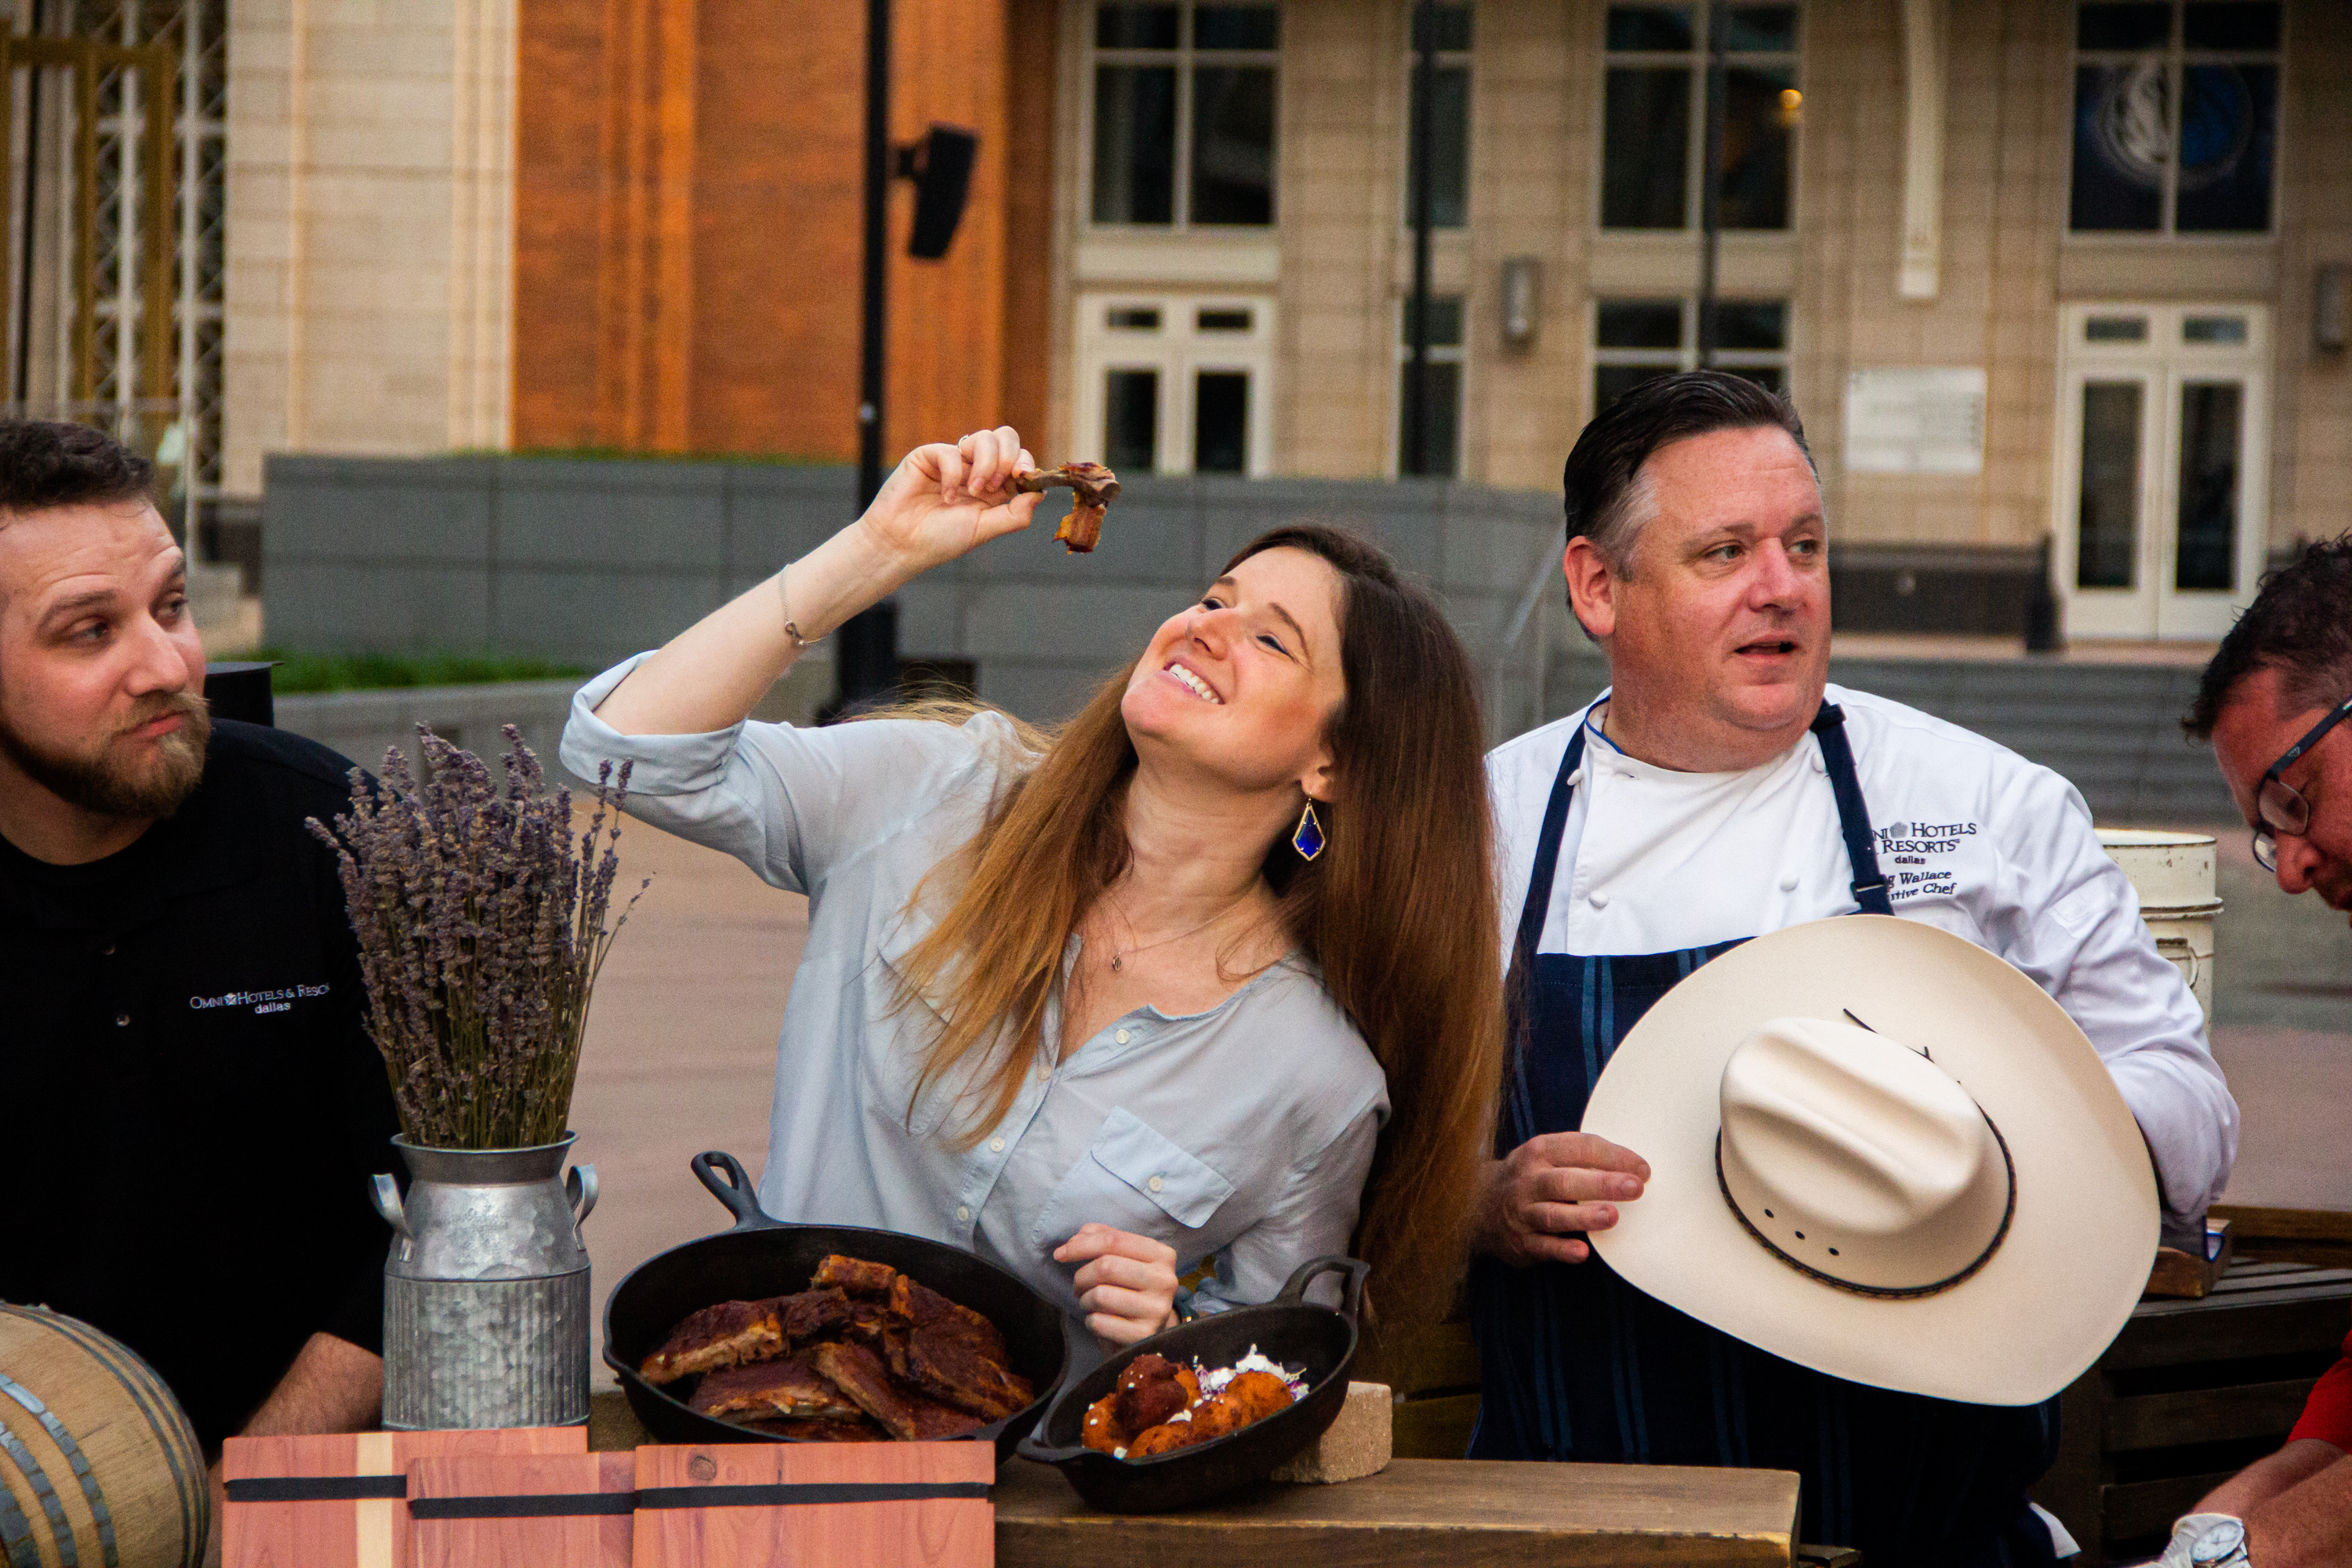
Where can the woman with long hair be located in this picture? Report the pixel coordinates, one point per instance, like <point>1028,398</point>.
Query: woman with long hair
<point>1208,975</point>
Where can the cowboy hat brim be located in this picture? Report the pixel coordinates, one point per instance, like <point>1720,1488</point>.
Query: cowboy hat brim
<point>2051,1297</point>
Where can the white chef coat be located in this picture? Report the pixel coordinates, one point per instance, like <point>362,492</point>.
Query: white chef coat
<point>1970,837</point>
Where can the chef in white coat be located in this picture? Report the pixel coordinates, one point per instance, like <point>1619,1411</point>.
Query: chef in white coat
<point>1721,789</point>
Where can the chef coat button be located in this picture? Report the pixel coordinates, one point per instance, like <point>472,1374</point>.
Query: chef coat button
<point>122,1020</point>
<point>1121,1036</point>
<point>1787,884</point>
<point>1576,778</point>
<point>1600,899</point>
<point>1156,1183</point>
<point>962,1212</point>
<point>996,1145</point>
<point>1819,766</point>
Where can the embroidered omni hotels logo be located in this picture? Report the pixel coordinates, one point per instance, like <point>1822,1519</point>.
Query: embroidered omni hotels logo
<point>1917,857</point>
<point>277,1001</point>
<point>1904,838</point>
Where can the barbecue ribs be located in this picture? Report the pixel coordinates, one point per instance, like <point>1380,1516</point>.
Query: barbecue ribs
<point>859,1373</point>
<point>854,1276</point>
<point>861,1430</point>
<point>728,1334</point>
<point>789,1387</point>
<point>953,1354</point>
<point>811,1314</point>
<point>864,1352</point>
<point>1092,490</point>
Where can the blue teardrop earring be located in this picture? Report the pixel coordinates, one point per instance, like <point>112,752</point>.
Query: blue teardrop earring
<point>1309,838</point>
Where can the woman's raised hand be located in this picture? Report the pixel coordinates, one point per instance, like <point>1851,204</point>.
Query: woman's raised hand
<point>942,501</point>
<point>1127,1286</point>
<point>939,503</point>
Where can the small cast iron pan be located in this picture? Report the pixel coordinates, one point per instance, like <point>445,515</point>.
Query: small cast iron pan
<point>763,1256</point>
<point>1289,1329</point>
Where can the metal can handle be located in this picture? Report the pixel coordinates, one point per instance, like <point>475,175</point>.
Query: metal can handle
<point>580,1186</point>
<point>386,1191</point>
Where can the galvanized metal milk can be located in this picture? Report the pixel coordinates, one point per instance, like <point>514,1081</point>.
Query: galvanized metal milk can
<point>2173,873</point>
<point>485,1303</point>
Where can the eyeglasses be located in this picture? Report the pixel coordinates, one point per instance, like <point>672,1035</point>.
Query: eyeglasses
<point>2277,805</point>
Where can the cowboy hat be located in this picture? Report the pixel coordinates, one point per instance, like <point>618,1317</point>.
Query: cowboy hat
<point>1882,1153</point>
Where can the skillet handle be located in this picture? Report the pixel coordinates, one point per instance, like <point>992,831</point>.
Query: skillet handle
<point>731,1184</point>
<point>1351,1294</point>
<point>1032,1446</point>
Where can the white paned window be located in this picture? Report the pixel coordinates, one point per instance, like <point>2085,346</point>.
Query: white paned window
<point>1183,111</point>
<point>1653,116</point>
<point>2176,117</point>
<point>1634,340</point>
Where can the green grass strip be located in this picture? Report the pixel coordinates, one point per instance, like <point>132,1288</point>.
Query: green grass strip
<point>298,671</point>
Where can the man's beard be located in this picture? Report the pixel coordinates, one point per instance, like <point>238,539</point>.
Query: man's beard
<point>98,782</point>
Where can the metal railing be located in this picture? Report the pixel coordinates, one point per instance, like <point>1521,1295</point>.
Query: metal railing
<point>1532,609</point>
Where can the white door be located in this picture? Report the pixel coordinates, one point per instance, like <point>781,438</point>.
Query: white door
<point>1175,384</point>
<point>2160,508</point>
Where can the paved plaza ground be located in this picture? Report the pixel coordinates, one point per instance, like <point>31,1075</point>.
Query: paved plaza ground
<point>681,1047</point>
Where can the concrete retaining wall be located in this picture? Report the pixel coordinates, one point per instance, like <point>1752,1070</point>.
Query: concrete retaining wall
<point>362,724</point>
<point>2112,730</point>
<point>591,560</point>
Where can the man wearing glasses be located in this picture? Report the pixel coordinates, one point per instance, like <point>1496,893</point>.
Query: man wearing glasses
<point>2274,703</point>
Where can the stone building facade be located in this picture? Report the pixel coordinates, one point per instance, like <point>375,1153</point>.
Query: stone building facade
<point>1924,252</point>
<point>2029,267</point>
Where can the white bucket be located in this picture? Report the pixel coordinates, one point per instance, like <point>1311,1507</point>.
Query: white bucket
<point>2173,873</point>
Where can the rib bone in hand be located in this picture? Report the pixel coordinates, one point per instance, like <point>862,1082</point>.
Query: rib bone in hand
<point>1092,489</point>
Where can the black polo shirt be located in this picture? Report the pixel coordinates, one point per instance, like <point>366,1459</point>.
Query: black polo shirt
<point>190,1107</point>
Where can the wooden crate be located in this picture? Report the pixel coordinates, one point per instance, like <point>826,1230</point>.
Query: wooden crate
<point>547,1510</point>
<point>1433,1374</point>
<point>338,1500</point>
<point>2291,1236</point>
<point>772,1505</point>
<point>2190,1393</point>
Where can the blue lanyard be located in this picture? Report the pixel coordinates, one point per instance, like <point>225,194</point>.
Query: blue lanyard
<point>1853,825</point>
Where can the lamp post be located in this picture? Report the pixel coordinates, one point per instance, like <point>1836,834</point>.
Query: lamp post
<point>1414,458</point>
<point>1710,198</point>
<point>866,658</point>
<point>866,654</point>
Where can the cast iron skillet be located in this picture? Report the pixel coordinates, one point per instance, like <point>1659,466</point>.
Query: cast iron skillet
<point>1289,1329</point>
<point>763,1256</point>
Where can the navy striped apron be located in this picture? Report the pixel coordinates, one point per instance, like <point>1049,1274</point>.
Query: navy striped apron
<point>1579,1365</point>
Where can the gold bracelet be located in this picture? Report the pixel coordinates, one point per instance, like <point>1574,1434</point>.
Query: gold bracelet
<point>791,628</point>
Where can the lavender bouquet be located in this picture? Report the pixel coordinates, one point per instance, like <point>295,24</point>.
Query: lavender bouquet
<point>481,928</point>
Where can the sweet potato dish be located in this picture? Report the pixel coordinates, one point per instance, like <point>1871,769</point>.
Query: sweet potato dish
<point>1159,1406</point>
<point>863,1354</point>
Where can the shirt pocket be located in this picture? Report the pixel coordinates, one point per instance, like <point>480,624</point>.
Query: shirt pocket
<point>1137,1179</point>
<point>900,1027</point>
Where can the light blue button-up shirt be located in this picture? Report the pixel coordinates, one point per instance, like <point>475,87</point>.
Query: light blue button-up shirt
<point>1241,1135</point>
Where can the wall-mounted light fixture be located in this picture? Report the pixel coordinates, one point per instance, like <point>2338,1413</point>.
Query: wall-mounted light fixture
<point>2331,310</point>
<point>1522,285</point>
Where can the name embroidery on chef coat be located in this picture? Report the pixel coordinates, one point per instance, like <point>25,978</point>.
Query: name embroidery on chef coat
<point>1914,856</point>
<point>279,1001</point>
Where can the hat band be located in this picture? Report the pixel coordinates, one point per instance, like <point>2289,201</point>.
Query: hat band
<point>1896,1292</point>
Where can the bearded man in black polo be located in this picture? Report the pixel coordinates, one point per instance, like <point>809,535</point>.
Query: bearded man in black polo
<point>194,1107</point>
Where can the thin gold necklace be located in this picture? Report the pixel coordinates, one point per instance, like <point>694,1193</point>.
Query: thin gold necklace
<point>1118,956</point>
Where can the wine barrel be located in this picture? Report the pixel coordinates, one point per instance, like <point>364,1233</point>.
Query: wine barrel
<point>98,1467</point>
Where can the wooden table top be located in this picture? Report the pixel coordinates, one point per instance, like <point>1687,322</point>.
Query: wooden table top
<point>1417,1513</point>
